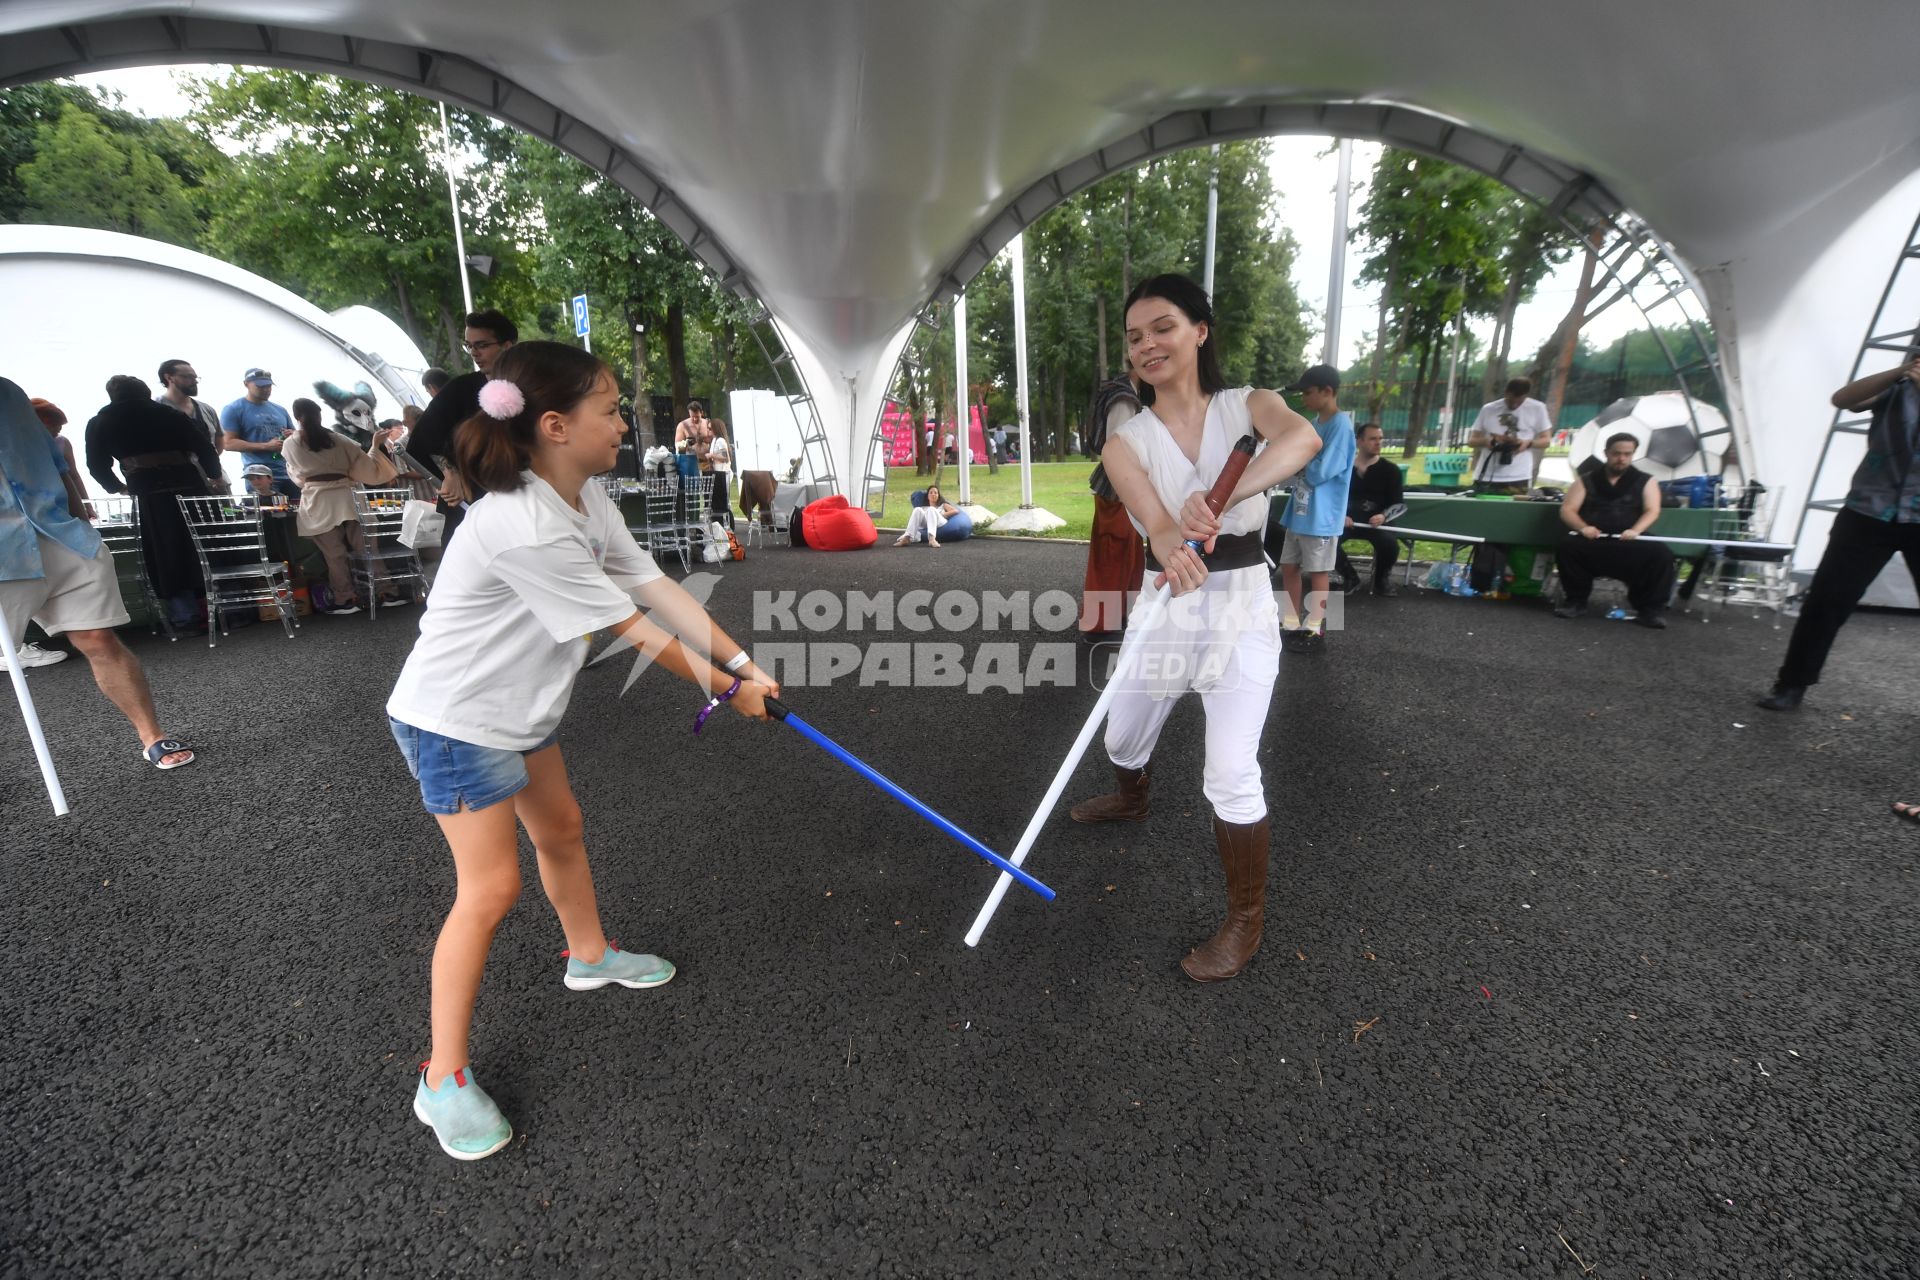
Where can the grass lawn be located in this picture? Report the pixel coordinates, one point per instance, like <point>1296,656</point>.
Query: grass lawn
<point>1059,487</point>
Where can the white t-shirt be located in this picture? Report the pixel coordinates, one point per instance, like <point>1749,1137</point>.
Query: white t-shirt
<point>504,634</point>
<point>1528,421</point>
<point>721,453</point>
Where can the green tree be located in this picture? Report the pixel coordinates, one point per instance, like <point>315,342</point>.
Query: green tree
<point>83,176</point>
<point>1533,243</point>
<point>1434,246</point>
<point>596,238</point>
<point>339,195</point>
<point>1084,256</point>
<point>24,111</point>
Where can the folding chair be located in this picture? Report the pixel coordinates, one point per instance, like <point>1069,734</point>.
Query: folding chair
<point>1731,574</point>
<point>783,514</point>
<point>383,559</point>
<point>665,533</point>
<point>697,492</point>
<point>232,547</point>
<point>118,521</point>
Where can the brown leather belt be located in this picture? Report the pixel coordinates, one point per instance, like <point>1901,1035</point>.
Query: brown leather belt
<point>146,461</point>
<point>1230,551</point>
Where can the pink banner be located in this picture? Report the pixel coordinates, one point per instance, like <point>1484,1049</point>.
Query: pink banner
<point>897,428</point>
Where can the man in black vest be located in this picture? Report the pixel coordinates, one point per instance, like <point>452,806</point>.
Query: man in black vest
<point>1610,507</point>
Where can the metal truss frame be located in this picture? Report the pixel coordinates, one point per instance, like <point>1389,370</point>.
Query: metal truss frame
<point>1631,256</point>
<point>53,52</point>
<point>1845,421</point>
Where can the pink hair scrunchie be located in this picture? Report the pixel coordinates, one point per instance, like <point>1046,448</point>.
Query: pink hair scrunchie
<point>501,399</point>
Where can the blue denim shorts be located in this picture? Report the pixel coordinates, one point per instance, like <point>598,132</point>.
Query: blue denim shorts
<point>453,773</point>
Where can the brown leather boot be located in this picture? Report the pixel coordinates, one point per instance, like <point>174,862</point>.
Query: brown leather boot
<point>1243,855</point>
<point>1128,803</point>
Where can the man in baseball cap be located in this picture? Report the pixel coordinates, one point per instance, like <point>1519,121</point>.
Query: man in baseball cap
<point>257,427</point>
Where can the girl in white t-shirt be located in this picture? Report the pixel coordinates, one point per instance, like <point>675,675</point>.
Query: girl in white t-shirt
<point>542,561</point>
<point>1220,636</point>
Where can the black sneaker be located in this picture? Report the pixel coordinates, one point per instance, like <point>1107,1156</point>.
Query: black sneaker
<point>1386,589</point>
<point>1652,619</point>
<point>1303,641</point>
<point>1571,609</point>
<point>1784,697</point>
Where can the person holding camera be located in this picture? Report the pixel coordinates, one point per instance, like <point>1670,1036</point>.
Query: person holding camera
<point>1509,434</point>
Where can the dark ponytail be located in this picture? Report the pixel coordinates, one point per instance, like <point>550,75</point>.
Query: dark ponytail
<point>1192,299</point>
<point>313,434</point>
<point>553,377</point>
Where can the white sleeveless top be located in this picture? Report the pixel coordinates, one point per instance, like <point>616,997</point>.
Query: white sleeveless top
<point>1196,632</point>
<point>1174,477</point>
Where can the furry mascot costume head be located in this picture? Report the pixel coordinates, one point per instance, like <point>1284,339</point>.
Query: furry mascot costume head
<point>353,410</point>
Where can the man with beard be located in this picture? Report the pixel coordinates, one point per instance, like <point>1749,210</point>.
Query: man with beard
<point>179,385</point>
<point>1610,507</point>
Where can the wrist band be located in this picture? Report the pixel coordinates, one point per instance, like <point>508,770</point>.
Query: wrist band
<point>738,661</point>
<point>712,706</point>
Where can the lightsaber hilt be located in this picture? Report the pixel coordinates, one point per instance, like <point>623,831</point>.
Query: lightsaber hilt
<point>1221,495</point>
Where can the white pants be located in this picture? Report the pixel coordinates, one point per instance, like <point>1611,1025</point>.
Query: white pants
<point>1236,708</point>
<point>924,521</point>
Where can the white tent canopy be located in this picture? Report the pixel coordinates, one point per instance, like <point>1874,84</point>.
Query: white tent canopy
<point>847,161</point>
<point>84,305</point>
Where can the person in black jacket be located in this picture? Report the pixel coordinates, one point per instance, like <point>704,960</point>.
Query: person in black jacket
<point>161,453</point>
<point>1377,488</point>
<point>488,336</point>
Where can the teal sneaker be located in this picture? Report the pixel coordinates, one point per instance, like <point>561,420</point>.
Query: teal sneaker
<point>629,969</point>
<point>461,1116</point>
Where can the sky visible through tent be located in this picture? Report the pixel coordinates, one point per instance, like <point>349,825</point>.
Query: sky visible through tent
<point>1304,172</point>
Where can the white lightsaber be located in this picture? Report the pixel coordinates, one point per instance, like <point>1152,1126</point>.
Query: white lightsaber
<point>1700,542</point>
<point>1123,666</point>
<point>34,731</point>
<point>1427,533</point>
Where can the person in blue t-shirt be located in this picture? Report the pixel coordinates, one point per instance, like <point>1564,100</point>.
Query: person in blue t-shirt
<point>1319,508</point>
<point>257,427</point>
<point>55,571</point>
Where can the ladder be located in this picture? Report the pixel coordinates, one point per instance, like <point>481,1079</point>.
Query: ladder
<point>1901,295</point>
<point>815,450</point>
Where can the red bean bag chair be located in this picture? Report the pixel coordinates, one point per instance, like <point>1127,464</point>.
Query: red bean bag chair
<point>831,524</point>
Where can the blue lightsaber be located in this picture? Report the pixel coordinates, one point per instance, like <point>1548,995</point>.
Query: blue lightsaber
<point>886,784</point>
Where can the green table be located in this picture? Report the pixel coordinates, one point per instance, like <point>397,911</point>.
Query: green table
<point>1517,522</point>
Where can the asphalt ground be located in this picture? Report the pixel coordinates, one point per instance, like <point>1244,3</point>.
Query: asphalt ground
<point>1570,951</point>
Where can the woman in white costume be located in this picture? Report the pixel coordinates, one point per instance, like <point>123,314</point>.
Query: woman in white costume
<point>1220,635</point>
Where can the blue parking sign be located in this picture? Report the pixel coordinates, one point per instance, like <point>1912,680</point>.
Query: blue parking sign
<point>582,325</point>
